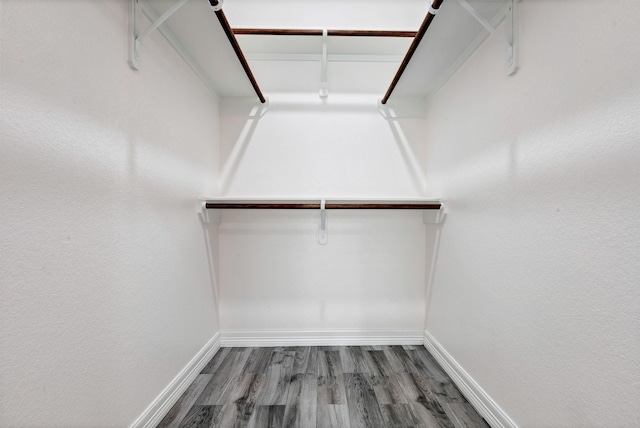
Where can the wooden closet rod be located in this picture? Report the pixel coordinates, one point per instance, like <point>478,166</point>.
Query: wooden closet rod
<point>338,33</point>
<point>316,206</point>
<point>414,45</point>
<point>236,47</point>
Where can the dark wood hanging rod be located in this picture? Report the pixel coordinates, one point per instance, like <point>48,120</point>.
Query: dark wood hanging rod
<point>412,49</point>
<point>336,33</point>
<point>328,205</point>
<point>236,47</point>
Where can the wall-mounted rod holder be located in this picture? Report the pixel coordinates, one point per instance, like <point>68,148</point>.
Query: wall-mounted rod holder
<point>508,39</point>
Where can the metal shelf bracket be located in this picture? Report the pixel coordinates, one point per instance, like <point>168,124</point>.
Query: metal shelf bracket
<point>435,216</point>
<point>508,39</point>
<point>208,216</point>
<point>136,35</point>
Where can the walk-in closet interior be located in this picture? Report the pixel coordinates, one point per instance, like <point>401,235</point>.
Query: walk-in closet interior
<point>365,191</point>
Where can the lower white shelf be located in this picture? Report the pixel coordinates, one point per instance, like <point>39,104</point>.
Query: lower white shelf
<point>319,204</point>
<point>434,209</point>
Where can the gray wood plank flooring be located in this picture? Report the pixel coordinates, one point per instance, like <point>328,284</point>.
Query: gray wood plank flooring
<point>323,387</point>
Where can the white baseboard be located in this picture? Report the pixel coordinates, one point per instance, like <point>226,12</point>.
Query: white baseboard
<point>152,416</point>
<point>478,398</point>
<point>321,337</point>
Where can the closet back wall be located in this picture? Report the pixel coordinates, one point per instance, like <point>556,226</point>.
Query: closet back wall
<point>274,274</point>
<point>106,290</point>
<point>275,277</point>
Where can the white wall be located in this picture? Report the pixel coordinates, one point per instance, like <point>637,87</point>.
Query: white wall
<point>303,146</point>
<point>274,274</point>
<point>106,288</point>
<point>536,285</point>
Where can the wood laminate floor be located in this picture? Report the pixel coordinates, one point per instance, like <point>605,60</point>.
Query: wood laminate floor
<point>330,386</point>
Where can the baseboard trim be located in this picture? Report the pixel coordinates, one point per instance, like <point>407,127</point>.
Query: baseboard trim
<point>152,416</point>
<point>321,337</point>
<point>478,398</point>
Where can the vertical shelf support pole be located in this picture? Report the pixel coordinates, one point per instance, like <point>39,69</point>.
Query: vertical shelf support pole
<point>322,236</point>
<point>324,90</point>
<point>509,39</point>
<point>135,36</point>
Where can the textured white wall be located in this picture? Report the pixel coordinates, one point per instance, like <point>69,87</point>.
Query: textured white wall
<point>274,274</point>
<point>106,288</point>
<point>536,286</point>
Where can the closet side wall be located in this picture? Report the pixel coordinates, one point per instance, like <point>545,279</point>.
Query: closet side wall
<point>536,284</point>
<point>107,292</point>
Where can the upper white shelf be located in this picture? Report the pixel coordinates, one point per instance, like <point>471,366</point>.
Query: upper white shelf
<point>196,34</point>
<point>452,37</point>
<point>303,63</point>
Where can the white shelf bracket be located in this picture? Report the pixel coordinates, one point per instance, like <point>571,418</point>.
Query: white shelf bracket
<point>324,90</point>
<point>136,36</point>
<point>508,39</point>
<point>208,216</point>
<point>434,216</point>
<point>322,235</point>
